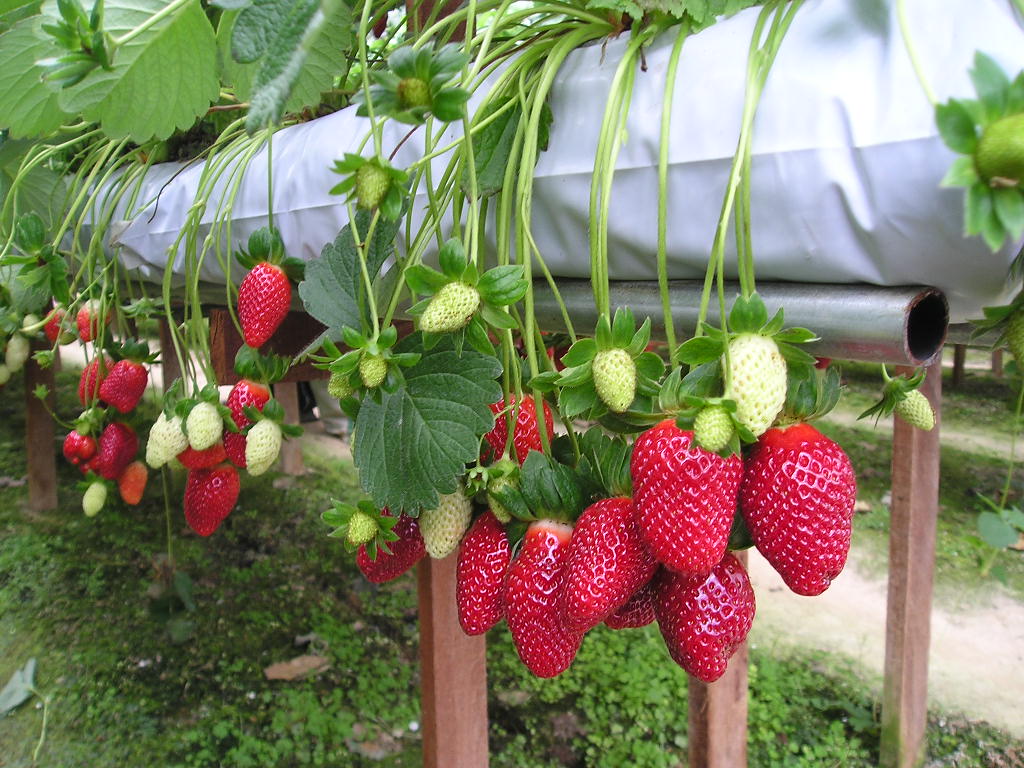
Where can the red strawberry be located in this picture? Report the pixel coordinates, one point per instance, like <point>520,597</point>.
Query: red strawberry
<point>124,385</point>
<point>88,320</point>
<point>405,552</point>
<point>117,447</point>
<point>797,500</point>
<point>704,622</point>
<point>92,379</point>
<point>132,482</point>
<point>533,589</point>
<point>210,495</point>
<point>480,577</point>
<point>526,437</point>
<point>638,612</point>
<point>190,458</point>
<point>245,392</point>
<point>607,563</point>
<point>78,447</point>
<point>55,328</point>
<point>685,498</point>
<point>263,300</point>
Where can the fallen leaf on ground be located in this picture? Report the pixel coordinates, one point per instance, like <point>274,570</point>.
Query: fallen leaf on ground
<point>297,668</point>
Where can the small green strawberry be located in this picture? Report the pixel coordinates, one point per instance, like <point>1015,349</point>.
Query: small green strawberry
<point>614,378</point>
<point>713,428</point>
<point>757,380</point>
<point>915,409</point>
<point>204,426</point>
<point>413,92</point>
<point>451,308</point>
<point>372,183</point>
<point>94,498</point>
<point>442,527</point>
<point>166,440</point>
<point>262,446</point>
<point>373,369</point>
<point>361,528</point>
<point>999,157</point>
<point>339,386</point>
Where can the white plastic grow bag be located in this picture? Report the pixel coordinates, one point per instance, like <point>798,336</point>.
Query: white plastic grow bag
<point>846,158</point>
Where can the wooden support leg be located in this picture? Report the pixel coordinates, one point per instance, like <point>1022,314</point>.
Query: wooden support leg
<point>453,675</point>
<point>959,361</point>
<point>170,369</point>
<point>915,503</point>
<point>718,714</point>
<point>291,452</point>
<point>40,451</point>
<point>997,362</point>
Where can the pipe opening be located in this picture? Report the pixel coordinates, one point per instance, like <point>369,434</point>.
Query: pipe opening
<point>927,323</point>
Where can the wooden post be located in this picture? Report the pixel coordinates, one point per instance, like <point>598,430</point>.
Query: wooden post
<point>291,452</point>
<point>169,366</point>
<point>453,675</point>
<point>997,362</point>
<point>718,714</point>
<point>959,361</point>
<point>40,450</point>
<point>915,503</point>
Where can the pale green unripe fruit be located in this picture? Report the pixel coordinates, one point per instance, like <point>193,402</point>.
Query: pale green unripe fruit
<point>94,498</point>
<point>916,410</point>
<point>5,374</point>
<point>338,386</point>
<point>713,428</point>
<point>361,528</point>
<point>166,440</point>
<point>451,308</point>
<point>758,381</point>
<point>373,369</point>
<point>17,352</point>
<point>442,528</point>
<point>262,446</point>
<point>204,426</point>
<point>614,375</point>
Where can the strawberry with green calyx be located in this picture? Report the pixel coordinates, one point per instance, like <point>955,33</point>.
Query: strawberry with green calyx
<point>607,372</point>
<point>415,85</point>
<point>442,527</point>
<point>754,358</point>
<point>252,390</point>
<point>264,437</point>
<point>57,328</point>
<point>126,380</point>
<point>362,525</point>
<point>204,418</point>
<point>372,183</point>
<point>115,450</point>
<point>900,395</point>
<point>525,434</point>
<point>370,362</point>
<point>94,497</point>
<point>210,495</point>
<point>484,556</point>
<point>502,479</point>
<point>988,133</point>
<point>339,386</point>
<point>461,301</point>
<point>167,435</point>
<point>265,294</point>
<point>390,560</point>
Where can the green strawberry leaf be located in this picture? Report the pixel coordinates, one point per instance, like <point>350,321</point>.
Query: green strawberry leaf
<point>424,280</point>
<point>333,289</point>
<point>550,488</point>
<point>1009,207</point>
<point>478,337</point>
<point>796,336</point>
<point>581,352</point>
<point>961,173</point>
<point>995,531</point>
<point>497,318</point>
<point>572,401</point>
<point>956,126</point>
<point>623,327</point>
<point>412,444</point>
<point>640,339</point>
<point>502,285</point>
<point>575,376</point>
<point>703,381</point>
<point>748,315</point>
<point>700,350</point>
<point>649,365</point>
<point>492,148</point>
<point>608,460</point>
<point>452,259</point>
<point>28,105</point>
<point>1015,95</point>
<point>991,84</point>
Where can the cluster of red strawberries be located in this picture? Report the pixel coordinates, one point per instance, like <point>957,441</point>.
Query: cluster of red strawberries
<point>658,556</point>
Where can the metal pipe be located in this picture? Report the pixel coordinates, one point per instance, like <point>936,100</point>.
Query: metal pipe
<point>904,325</point>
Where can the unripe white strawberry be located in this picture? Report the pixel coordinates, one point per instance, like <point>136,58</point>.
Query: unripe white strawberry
<point>94,498</point>
<point>713,428</point>
<point>166,440</point>
<point>361,528</point>
<point>373,369</point>
<point>17,352</point>
<point>338,386</point>
<point>262,445</point>
<point>442,528</point>
<point>614,378</point>
<point>758,381</point>
<point>451,308</point>
<point>5,374</point>
<point>915,409</point>
<point>372,183</point>
<point>203,426</point>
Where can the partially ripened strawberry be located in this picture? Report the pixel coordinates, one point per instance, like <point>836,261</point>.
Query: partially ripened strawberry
<point>88,320</point>
<point>132,483</point>
<point>210,495</point>
<point>685,498</point>
<point>91,380</point>
<point>115,450</point>
<point>614,375</point>
<point>124,385</point>
<point>607,563</point>
<point>78,447</point>
<point>443,526</point>
<point>797,501</point>
<point>637,612</point>
<point>757,380</point>
<point>166,440</point>
<point>484,556</point>
<point>246,393</point>
<point>450,309</point>
<point>263,300</point>
<point>190,458</point>
<point>704,622</point>
<point>526,436</point>
<point>405,552</point>
<point>532,590</point>
<point>56,328</point>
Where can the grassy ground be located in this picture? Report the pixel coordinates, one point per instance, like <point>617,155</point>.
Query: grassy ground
<point>135,679</point>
